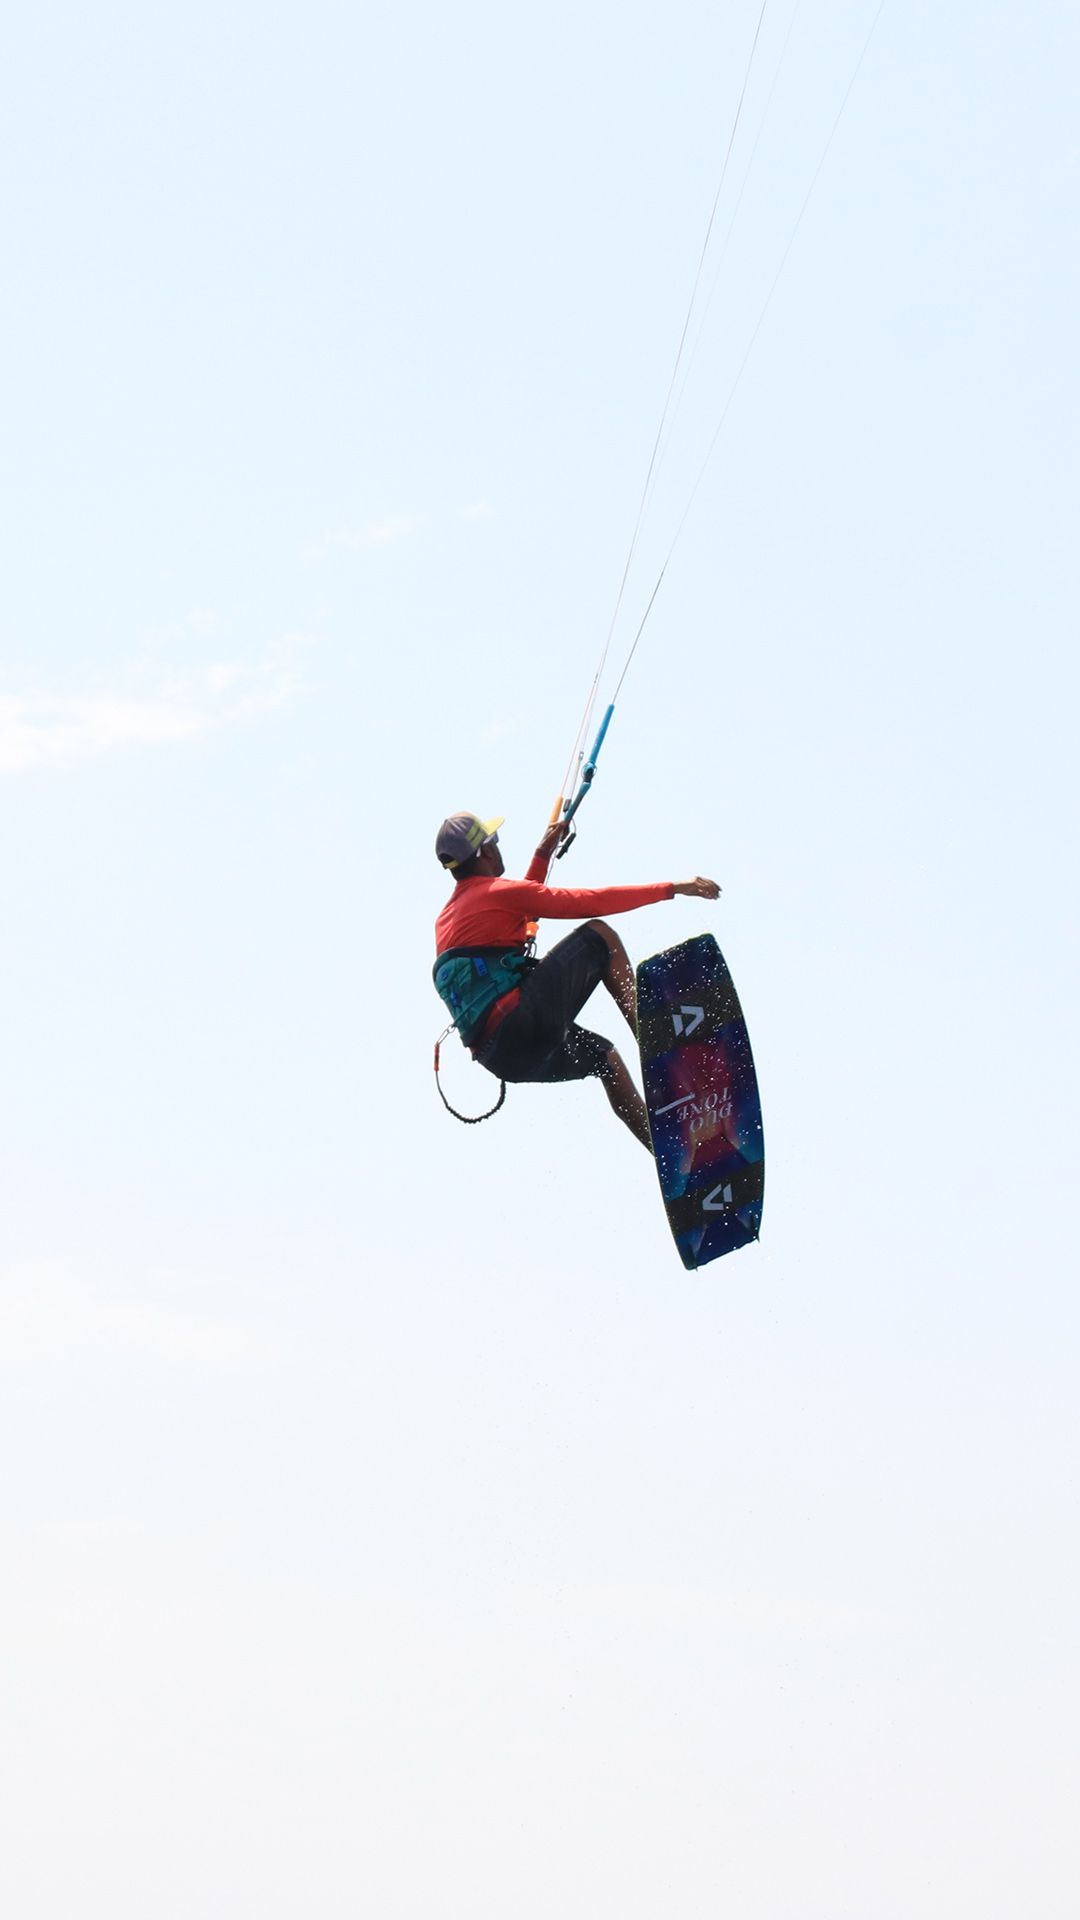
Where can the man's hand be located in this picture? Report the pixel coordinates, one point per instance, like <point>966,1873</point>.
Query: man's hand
<point>552,839</point>
<point>699,888</point>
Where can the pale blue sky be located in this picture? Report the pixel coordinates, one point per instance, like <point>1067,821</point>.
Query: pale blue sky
<point>390,1526</point>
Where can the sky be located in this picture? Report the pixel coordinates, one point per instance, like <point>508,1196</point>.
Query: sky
<point>388,1524</point>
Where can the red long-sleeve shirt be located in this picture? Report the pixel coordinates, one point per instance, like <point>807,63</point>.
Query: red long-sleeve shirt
<point>485,912</point>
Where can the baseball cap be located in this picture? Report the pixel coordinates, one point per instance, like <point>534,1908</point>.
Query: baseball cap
<point>462,835</point>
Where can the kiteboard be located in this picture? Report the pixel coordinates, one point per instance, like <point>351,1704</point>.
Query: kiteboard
<point>702,1094</point>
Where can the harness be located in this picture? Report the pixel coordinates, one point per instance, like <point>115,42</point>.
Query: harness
<point>469,980</point>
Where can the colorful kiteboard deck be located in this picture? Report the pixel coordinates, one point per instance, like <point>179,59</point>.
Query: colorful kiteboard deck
<point>702,1095</point>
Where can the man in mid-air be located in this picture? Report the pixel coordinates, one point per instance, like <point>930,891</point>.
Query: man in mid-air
<point>517,1015</point>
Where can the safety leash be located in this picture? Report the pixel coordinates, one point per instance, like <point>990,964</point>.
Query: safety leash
<point>467,1119</point>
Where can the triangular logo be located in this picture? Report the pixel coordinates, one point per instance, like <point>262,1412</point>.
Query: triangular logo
<point>687,1019</point>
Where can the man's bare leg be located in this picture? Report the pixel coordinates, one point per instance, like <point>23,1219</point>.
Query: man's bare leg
<point>625,1099</point>
<point>619,978</point>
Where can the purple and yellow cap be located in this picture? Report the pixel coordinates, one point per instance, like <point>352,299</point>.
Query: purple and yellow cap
<point>463,835</point>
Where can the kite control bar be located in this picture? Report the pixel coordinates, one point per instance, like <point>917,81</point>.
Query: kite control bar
<point>570,807</point>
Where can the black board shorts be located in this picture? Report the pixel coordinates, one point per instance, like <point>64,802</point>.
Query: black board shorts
<point>539,1038</point>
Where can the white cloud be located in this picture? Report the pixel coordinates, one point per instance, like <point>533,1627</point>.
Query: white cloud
<point>382,533</point>
<point>224,674</point>
<point>376,533</point>
<point>46,1312</point>
<point>499,727</point>
<point>51,730</point>
<point>36,731</point>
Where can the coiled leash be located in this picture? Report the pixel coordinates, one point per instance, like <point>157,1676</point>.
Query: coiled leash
<point>467,1119</point>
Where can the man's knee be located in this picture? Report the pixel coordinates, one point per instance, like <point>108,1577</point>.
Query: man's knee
<point>607,934</point>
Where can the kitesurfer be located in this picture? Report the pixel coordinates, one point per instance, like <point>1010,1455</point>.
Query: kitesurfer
<point>518,1015</point>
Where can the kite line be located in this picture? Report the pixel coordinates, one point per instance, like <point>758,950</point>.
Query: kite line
<point>581,771</point>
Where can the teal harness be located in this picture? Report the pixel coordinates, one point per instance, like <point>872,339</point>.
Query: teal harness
<point>470,982</point>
